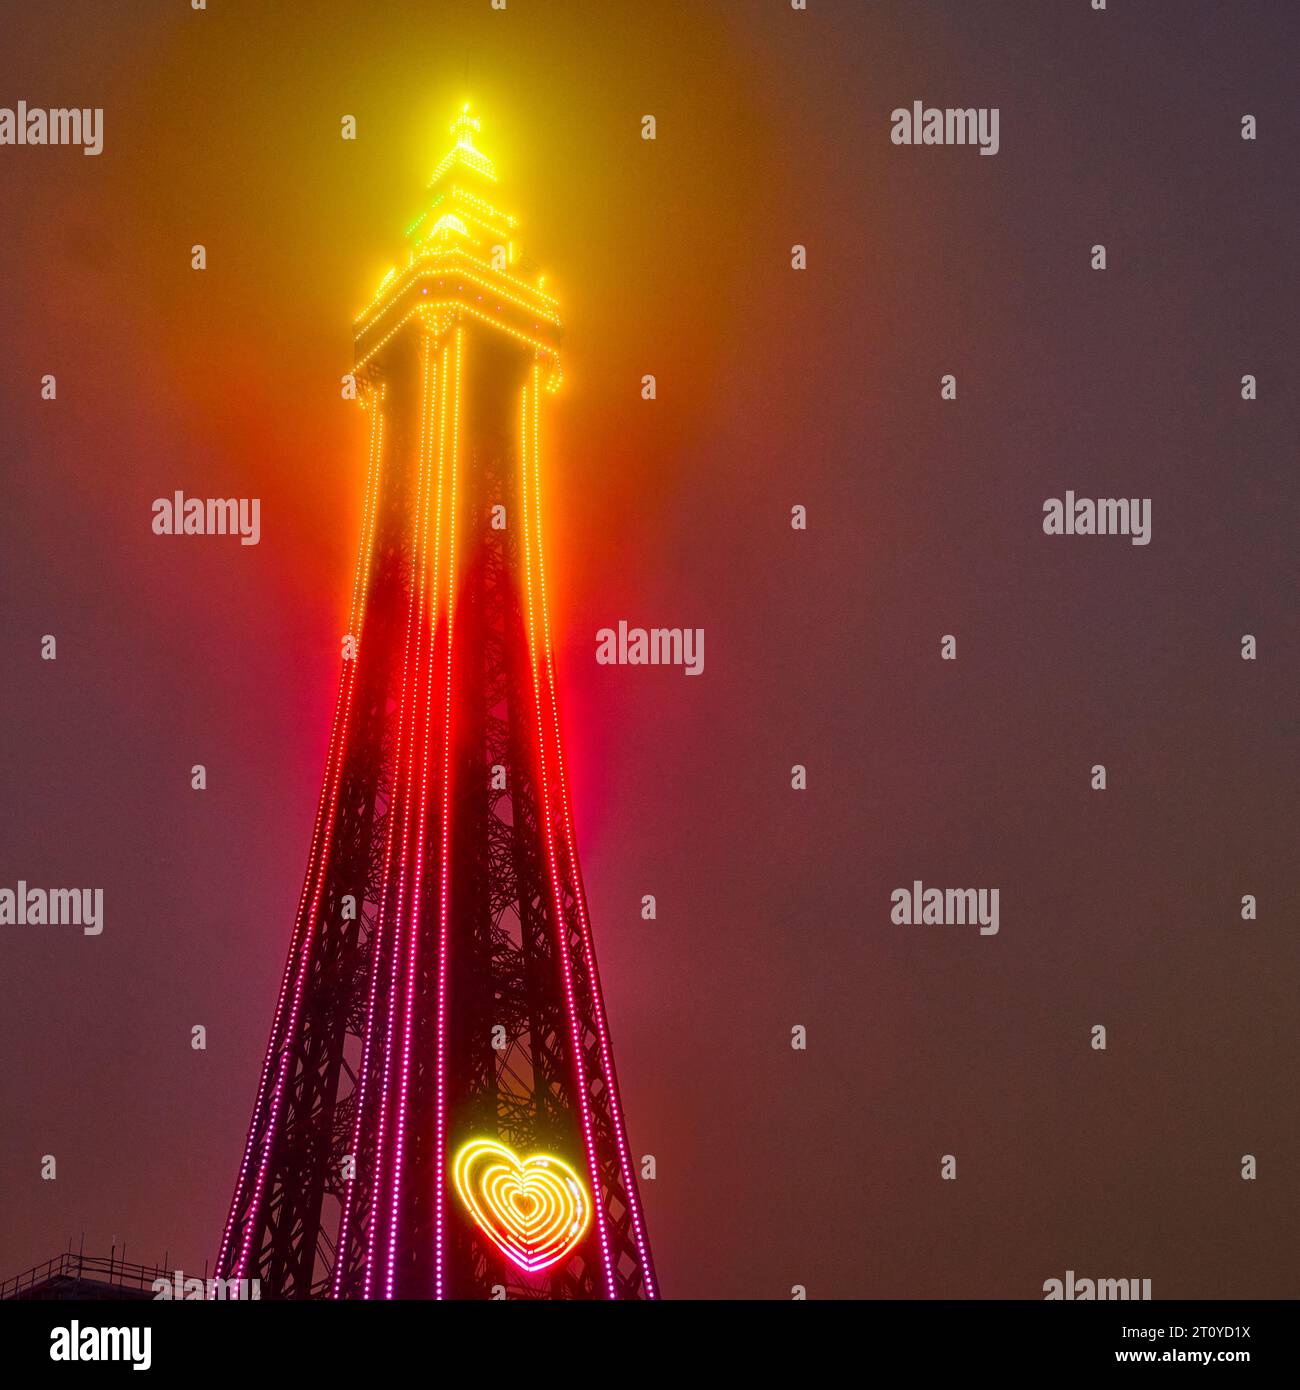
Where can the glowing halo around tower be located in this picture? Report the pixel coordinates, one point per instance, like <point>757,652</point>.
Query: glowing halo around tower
<point>534,1210</point>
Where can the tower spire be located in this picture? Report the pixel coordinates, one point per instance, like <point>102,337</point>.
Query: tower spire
<point>464,156</point>
<point>465,126</point>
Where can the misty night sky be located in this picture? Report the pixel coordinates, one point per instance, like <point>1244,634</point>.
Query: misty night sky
<point>775,388</point>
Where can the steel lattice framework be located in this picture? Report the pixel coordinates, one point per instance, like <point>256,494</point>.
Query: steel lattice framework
<point>441,983</point>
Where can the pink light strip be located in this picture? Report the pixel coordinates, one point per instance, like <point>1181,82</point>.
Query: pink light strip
<point>316,860</point>
<point>588,946</point>
<point>561,927</point>
<point>401,786</point>
<point>440,1161</point>
<point>427,633</point>
<point>340,1256</point>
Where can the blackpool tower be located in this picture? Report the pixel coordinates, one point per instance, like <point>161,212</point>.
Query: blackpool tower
<point>438,1114</point>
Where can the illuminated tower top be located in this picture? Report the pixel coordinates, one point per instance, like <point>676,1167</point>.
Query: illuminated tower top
<point>462,263</point>
<point>463,153</point>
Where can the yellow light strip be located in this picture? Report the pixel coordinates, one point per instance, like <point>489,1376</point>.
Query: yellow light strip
<point>449,254</point>
<point>513,279</point>
<point>501,233</point>
<point>370,506</point>
<point>455,191</point>
<point>468,156</point>
<point>546,349</point>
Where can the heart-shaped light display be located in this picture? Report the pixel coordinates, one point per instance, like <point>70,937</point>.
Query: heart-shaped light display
<point>534,1209</point>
